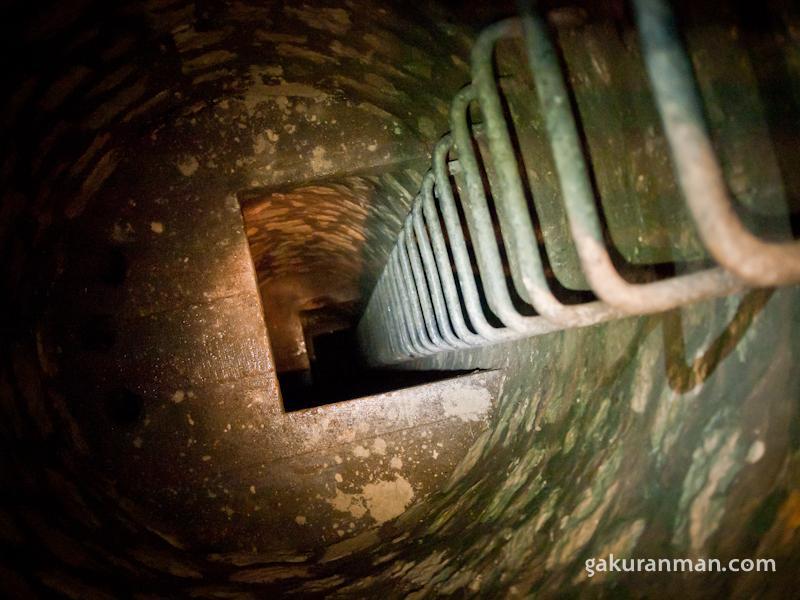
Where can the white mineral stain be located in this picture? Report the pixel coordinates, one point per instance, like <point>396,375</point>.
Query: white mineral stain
<point>318,161</point>
<point>466,403</point>
<point>360,452</point>
<point>279,94</point>
<point>188,165</point>
<point>756,451</point>
<point>383,500</point>
<point>379,446</point>
<point>178,396</point>
<point>349,503</point>
<point>388,499</point>
<point>396,463</point>
<point>338,477</point>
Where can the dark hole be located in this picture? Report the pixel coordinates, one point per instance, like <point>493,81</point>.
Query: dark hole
<point>124,406</point>
<point>337,374</point>
<point>98,334</point>
<point>114,268</point>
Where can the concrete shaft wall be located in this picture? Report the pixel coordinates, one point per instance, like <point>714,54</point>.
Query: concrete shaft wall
<point>140,417</point>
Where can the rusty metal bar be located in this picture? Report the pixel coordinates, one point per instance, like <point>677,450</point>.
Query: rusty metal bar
<point>443,267</point>
<point>700,176</point>
<point>430,267</point>
<point>579,197</point>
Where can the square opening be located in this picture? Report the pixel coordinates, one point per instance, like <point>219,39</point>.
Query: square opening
<point>308,249</point>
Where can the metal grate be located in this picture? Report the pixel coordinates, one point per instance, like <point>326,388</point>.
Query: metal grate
<point>424,302</point>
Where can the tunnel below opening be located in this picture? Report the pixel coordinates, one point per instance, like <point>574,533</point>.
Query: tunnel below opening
<point>309,254</point>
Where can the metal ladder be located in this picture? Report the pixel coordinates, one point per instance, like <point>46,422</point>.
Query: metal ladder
<point>425,303</point>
